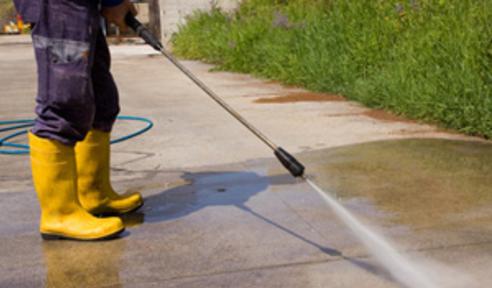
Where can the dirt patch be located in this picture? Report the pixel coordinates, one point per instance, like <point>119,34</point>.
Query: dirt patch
<point>301,97</point>
<point>380,115</point>
<point>385,116</point>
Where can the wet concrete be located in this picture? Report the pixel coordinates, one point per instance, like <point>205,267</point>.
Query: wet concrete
<point>252,225</point>
<point>204,226</point>
<point>422,182</point>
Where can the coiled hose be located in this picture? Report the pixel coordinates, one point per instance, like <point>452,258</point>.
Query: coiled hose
<point>23,149</point>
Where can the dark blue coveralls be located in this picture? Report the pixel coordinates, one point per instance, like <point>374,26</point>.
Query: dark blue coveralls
<point>76,91</point>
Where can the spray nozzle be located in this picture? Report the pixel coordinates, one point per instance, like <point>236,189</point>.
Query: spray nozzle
<point>290,163</point>
<point>143,32</point>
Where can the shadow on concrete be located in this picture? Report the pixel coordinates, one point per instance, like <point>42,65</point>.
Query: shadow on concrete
<point>230,189</point>
<point>206,190</point>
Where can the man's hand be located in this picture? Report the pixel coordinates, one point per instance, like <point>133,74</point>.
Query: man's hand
<point>116,14</point>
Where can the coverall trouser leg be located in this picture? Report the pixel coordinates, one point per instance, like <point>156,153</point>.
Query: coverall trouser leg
<point>76,91</point>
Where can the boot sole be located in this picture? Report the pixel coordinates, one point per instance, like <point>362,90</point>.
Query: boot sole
<point>50,237</point>
<point>118,213</point>
<point>134,209</point>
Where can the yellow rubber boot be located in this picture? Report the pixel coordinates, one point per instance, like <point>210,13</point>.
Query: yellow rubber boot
<point>55,181</point>
<point>93,170</point>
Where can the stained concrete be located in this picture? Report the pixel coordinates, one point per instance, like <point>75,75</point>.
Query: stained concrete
<point>220,212</point>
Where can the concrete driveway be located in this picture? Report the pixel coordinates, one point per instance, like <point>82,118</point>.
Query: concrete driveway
<point>221,212</point>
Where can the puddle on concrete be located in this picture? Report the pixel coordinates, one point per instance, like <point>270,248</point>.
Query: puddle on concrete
<point>421,182</point>
<point>301,97</point>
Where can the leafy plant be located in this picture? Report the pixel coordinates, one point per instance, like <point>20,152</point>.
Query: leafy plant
<point>425,59</point>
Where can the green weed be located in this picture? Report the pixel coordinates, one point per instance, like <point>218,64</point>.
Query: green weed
<point>425,59</point>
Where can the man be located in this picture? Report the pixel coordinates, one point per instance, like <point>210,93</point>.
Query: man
<point>77,104</point>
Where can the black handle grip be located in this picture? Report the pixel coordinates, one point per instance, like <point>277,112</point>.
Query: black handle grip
<point>143,32</point>
<point>290,163</point>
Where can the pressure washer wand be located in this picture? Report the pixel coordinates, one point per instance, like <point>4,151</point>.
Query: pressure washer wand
<point>288,161</point>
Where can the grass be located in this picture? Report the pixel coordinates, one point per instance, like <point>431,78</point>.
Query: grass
<point>425,59</point>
